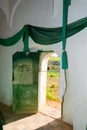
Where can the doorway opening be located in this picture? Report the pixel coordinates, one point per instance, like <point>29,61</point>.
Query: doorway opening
<point>52,87</point>
<point>49,85</point>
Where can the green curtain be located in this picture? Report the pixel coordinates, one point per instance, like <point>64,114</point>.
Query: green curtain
<point>66,4</point>
<point>45,36</point>
<point>14,39</point>
<point>48,36</point>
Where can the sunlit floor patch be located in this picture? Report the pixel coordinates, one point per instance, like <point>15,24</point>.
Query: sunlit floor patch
<point>30,123</point>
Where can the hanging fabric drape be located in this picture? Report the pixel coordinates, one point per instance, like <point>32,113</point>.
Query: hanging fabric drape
<point>48,36</point>
<point>44,36</point>
<point>14,39</point>
<point>66,4</point>
<point>25,39</point>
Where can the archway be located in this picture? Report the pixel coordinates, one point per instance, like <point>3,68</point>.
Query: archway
<point>43,77</point>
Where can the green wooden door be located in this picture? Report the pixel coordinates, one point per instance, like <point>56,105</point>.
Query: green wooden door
<point>25,82</point>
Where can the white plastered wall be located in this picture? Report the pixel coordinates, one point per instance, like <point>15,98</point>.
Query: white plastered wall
<point>77,82</point>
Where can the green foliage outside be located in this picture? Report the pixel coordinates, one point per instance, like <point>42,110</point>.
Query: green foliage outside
<point>52,93</point>
<point>53,75</point>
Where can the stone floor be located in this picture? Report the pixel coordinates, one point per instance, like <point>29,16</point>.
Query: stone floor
<point>46,119</point>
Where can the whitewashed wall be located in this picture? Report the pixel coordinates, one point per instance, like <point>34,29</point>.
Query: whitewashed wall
<point>77,82</point>
<point>40,13</point>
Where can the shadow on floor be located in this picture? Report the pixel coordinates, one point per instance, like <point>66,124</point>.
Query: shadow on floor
<point>9,116</point>
<point>56,125</point>
<point>39,121</point>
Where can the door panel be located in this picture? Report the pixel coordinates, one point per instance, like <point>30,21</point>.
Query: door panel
<point>25,82</point>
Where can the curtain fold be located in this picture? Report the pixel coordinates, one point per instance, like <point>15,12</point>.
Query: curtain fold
<point>66,4</point>
<point>45,36</point>
<point>13,39</point>
<point>26,40</point>
<point>48,36</point>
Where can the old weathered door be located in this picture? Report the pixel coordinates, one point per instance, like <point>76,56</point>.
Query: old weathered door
<point>25,82</point>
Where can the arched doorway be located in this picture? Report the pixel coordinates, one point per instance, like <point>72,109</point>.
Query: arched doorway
<point>43,79</point>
